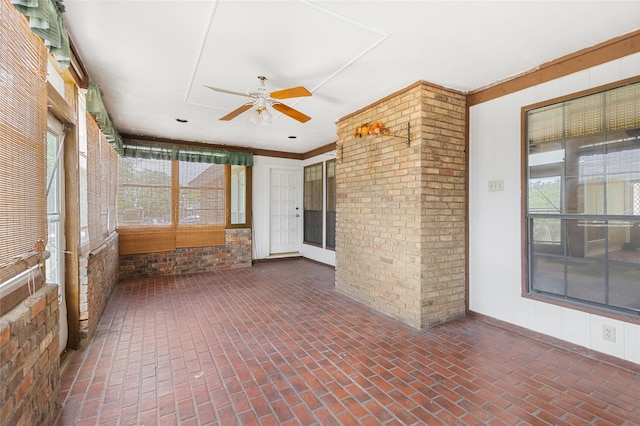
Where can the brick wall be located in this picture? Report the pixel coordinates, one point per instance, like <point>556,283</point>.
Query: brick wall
<point>443,200</point>
<point>236,253</point>
<point>401,209</point>
<point>29,360</point>
<point>98,277</point>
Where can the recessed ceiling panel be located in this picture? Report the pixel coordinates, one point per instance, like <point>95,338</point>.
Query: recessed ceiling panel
<point>292,43</point>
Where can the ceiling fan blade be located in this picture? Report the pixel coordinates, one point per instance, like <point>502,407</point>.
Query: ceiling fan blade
<point>295,114</point>
<point>236,112</point>
<point>293,92</point>
<point>231,92</point>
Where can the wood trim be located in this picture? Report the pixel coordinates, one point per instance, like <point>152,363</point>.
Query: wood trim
<point>601,53</point>
<point>249,196</point>
<point>412,86</point>
<point>200,237</point>
<point>150,240</point>
<point>227,195</point>
<point>582,93</point>
<point>175,193</point>
<point>71,201</point>
<point>58,106</point>
<point>320,150</point>
<point>379,101</point>
<point>147,240</point>
<point>523,203</point>
<point>466,213</point>
<point>278,154</point>
<point>76,68</point>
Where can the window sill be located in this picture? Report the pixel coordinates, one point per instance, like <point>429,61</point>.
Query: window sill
<point>16,289</point>
<point>619,316</point>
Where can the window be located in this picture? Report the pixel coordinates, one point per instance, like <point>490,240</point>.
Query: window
<point>55,196</point>
<point>201,193</point>
<point>165,204</point>
<point>238,195</point>
<point>583,220</point>
<point>83,164</point>
<point>23,156</point>
<point>331,205</point>
<point>313,198</point>
<point>320,204</point>
<point>144,192</point>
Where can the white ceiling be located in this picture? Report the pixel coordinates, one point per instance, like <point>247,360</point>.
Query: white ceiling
<point>153,59</point>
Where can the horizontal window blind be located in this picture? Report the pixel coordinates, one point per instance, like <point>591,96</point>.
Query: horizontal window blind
<point>101,184</point>
<point>144,192</point>
<point>201,194</point>
<point>623,107</point>
<point>23,124</point>
<point>615,109</point>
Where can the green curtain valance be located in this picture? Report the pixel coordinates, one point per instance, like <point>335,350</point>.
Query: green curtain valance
<point>157,152</point>
<point>96,107</point>
<point>45,20</point>
<point>193,155</point>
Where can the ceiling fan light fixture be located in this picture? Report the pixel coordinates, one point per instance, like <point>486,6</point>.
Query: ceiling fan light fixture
<point>260,114</point>
<point>261,98</point>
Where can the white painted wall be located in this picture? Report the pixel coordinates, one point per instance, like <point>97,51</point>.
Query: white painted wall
<point>495,241</point>
<point>261,174</point>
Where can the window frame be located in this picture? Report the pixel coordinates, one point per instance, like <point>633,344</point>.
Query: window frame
<point>169,237</point>
<point>321,244</point>
<point>248,197</point>
<point>579,305</point>
<point>327,203</point>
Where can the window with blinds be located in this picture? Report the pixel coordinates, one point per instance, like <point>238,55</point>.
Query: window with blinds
<point>583,224</point>
<point>83,177</point>
<point>331,205</point>
<point>165,204</point>
<point>23,125</point>
<point>144,192</point>
<point>102,166</point>
<point>313,204</point>
<point>201,193</point>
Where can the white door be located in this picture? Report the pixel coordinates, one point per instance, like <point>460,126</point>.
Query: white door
<point>55,220</point>
<point>286,211</point>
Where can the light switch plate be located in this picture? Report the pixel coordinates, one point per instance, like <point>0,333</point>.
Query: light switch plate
<point>496,185</point>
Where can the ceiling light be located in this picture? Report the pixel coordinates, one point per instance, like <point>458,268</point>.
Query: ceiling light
<point>260,114</point>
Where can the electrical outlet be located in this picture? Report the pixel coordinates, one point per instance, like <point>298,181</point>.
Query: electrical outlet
<point>609,333</point>
<point>496,185</point>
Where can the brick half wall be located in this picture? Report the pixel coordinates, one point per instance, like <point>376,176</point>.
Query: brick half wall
<point>98,277</point>
<point>236,253</point>
<point>30,361</point>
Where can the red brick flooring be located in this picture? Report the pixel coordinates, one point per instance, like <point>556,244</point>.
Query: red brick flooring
<point>275,344</point>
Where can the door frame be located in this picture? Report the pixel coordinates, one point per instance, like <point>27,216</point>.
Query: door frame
<point>57,128</point>
<point>298,172</point>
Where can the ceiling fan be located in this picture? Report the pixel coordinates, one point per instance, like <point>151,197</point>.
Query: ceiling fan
<point>261,98</point>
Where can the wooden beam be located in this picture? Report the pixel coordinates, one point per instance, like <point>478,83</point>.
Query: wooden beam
<point>601,53</point>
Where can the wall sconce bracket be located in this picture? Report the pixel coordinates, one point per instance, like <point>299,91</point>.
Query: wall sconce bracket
<point>400,133</point>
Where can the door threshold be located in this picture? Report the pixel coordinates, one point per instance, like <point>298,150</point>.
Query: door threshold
<point>279,256</point>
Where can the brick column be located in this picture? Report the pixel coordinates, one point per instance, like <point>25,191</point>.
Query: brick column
<point>400,231</point>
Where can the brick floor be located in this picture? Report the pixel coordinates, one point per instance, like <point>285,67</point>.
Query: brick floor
<point>275,344</point>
